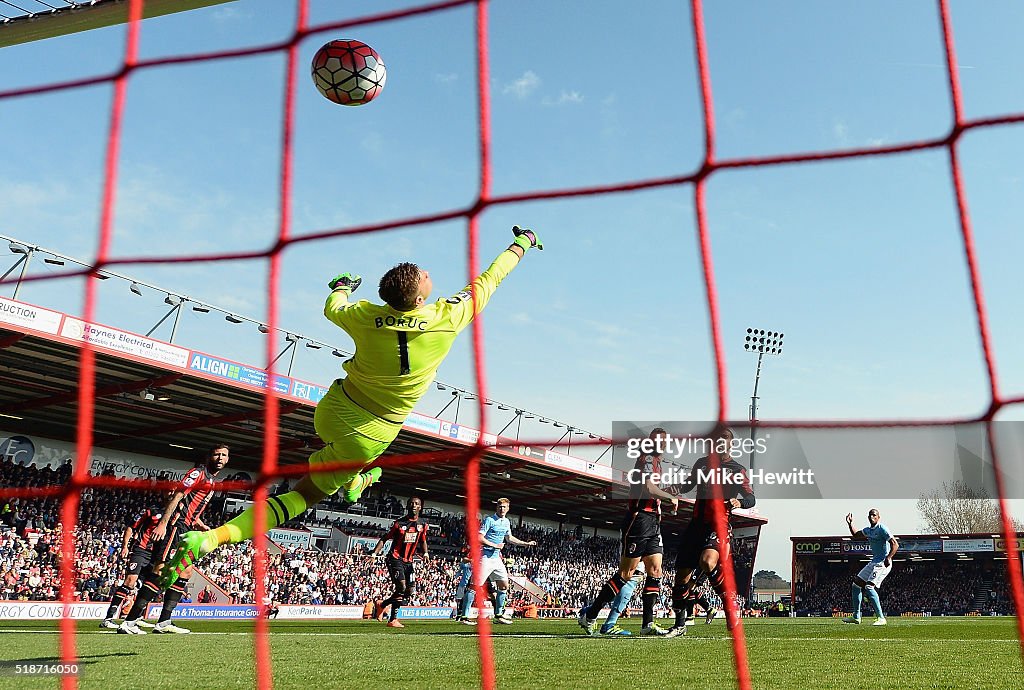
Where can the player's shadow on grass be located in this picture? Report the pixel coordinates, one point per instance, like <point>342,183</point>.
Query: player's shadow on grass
<point>54,660</point>
<point>510,633</point>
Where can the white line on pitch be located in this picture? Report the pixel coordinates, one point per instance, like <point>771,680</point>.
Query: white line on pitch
<point>541,636</point>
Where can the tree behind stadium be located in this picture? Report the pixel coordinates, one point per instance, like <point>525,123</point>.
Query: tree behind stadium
<point>957,508</point>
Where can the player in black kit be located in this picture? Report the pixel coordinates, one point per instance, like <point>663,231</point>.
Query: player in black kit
<point>137,549</point>
<point>641,540</point>
<point>700,550</point>
<point>408,536</point>
<point>182,513</point>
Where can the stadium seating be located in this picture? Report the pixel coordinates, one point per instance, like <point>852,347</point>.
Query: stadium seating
<point>568,566</point>
<point>939,588</point>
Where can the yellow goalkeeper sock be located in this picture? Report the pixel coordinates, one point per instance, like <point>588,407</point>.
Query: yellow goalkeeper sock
<point>279,510</point>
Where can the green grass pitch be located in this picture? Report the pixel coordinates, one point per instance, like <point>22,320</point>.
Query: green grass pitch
<point>809,654</point>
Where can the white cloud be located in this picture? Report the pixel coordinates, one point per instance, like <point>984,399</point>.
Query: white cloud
<point>565,97</point>
<point>606,328</point>
<point>402,248</point>
<point>844,137</point>
<point>607,367</point>
<point>448,78</point>
<point>373,144</point>
<point>841,132</point>
<point>27,195</point>
<point>735,117</point>
<point>225,14</point>
<point>747,222</point>
<point>310,216</point>
<point>523,86</point>
<point>242,305</point>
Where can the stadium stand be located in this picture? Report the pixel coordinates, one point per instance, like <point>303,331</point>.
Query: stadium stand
<point>568,566</point>
<point>937,588</point>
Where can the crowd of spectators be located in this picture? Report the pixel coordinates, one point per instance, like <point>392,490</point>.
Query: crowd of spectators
<point>447,529</point>
<point>31,536</point>
<point>568,567</point>
<point>1000,600</point>
<point>30,563</point>
<point>565,568</point>
<point>939,588</point>
<point>310,576</point>
<point>947,588</point>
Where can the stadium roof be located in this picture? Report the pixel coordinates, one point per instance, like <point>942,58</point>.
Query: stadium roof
<point>912,546</point>
<point>153,398</point>
<point>22,21</point>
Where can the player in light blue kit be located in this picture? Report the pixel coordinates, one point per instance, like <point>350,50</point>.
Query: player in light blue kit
<point>494,532</point>
<point>883,547</point>
<point>464,592</point>
<point>621,601</point>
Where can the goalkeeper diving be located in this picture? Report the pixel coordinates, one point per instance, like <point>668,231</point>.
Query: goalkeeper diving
<point>398,348</point>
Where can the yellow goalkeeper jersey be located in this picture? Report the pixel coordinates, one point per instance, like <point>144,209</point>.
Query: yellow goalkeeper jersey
<point>398,352</point>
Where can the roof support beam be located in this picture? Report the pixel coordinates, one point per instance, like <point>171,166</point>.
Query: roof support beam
<point>106,391</point>
<point>578,492</point>
<point>530,482</point>
<point>11,339</point>
<point>283,409</point>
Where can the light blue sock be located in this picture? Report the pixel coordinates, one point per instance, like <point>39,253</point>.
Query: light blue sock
<point>619,603</point>
<point>872,595</point>
<point>467,602</point>
<point>858,595</point>
<point>499,602</point>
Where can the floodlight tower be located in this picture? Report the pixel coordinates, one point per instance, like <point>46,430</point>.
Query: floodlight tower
<point>763,343</point>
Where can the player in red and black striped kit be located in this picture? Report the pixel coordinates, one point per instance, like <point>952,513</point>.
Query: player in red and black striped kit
<point>182,513</point>
<point>138,538</point>
<point>408,536</point>
<point>700,550</point>
<point>641,541</point>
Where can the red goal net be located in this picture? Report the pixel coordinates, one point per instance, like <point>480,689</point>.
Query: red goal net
<point>483,199</point>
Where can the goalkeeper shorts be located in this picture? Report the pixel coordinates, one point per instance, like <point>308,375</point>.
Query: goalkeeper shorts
<point>343,426</point>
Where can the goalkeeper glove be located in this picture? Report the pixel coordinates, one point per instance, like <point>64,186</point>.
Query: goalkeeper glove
<point>347,282</point>
<point>526,238</point>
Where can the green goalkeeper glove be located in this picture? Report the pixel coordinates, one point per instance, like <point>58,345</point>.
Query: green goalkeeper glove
<point>526,238</point>
<point>347,282</point>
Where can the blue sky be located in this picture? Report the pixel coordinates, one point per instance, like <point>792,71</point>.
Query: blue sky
<point>860,262</point>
